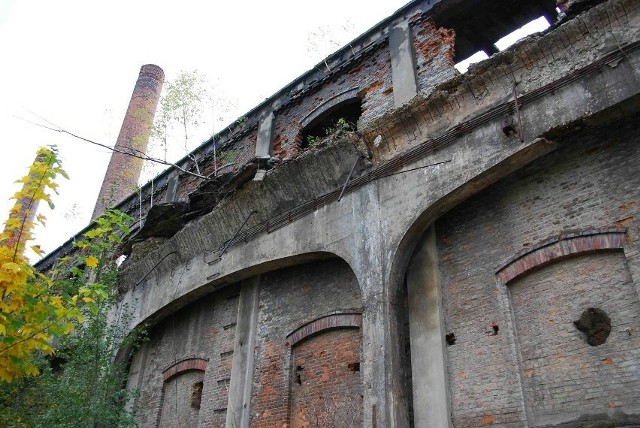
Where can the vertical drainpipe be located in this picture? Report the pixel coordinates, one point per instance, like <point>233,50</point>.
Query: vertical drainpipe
<point>124,170</point>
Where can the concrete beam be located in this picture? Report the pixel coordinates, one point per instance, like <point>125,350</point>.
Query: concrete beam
<point>265,137</point>
<point>136,373</point>
<point>403,66</point>
<point>243,355</point>
<point>430,390</point>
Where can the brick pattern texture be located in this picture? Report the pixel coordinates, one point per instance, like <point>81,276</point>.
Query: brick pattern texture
<point>326,387</point>
<point>289,299</point>
<point>204,330</point>
<point>177,410</point>
<point>123,172</point>
<point>539,365</point>
<point>563,376</point>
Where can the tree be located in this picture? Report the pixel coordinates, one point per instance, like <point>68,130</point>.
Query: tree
<point>31,310</point>
<point>74,382</point>
<point>187,103</point>
<point>36,307</point>
<point>184,102</point>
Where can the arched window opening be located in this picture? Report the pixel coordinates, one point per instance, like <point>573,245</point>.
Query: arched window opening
<point>339,117</point>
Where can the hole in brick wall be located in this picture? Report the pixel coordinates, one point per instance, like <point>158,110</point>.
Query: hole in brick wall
<point>341,117</point>
<point>196,394</point>
<point>494,329</point>
<point>450,338</point>
<point>354,367</point>
<point>464,65</point>
<point>485,48</point>
<point>535,26</point>
<point>298,377</point>
<point>595,324</point>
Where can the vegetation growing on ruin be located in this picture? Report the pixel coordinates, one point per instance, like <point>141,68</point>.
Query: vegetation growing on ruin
<point>56,341</point>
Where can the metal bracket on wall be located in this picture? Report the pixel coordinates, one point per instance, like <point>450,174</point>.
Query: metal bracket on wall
<point>348,178</point>
<point>155,266</point>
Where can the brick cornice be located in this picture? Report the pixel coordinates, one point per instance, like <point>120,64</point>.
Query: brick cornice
<point>341,320</point>
<point>188,364</point>
<point>561,246</point>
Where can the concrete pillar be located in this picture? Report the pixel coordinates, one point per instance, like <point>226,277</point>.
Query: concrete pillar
<point>403,67</point>
<point>136,373</point>
<point>265,137</point>
<point>264,145</point>
<point>430,390</point>
<point>124,170</point>
<point>172,189</point>
<point>383,405</point>
<point>238,405</point>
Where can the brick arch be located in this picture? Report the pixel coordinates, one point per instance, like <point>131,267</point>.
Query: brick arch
<point>326,385</point>
<point>185,365</point>
<point>559,247</point>
<point>326,322</point>
<point>339,99</point>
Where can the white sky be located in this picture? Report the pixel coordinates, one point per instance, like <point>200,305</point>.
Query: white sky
<point>75,62</point>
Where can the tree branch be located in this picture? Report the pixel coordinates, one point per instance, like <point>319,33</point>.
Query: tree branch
<point>129,152</point>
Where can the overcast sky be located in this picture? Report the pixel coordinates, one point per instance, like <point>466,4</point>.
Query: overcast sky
<point>75,62</point>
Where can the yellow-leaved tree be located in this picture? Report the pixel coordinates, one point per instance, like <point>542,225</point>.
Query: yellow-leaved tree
<point>35,307</point>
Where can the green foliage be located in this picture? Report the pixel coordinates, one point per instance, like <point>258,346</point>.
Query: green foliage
<point>241,121</point>
<point>183,103</point>
<point>344,124</point>
<point>60,315</point>
<point>80,387</point>
<point>33,308</point>
<point>341,124</point>
<point>227,157</point>
<point>311,140</point>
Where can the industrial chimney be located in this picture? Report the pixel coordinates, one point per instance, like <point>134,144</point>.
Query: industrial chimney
<point>124,170</point>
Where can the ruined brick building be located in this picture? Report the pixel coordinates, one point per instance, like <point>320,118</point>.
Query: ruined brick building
<point>467,254</point>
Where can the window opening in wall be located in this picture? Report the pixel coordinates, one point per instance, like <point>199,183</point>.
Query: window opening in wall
<point>532,27</point>
<point>196,394</point>
<point>535,26</point>
<point>464,65</point>
<point>342,117</point>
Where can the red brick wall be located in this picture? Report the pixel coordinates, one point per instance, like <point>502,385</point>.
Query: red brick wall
<point>326,386</point>
<point>561,372</point>
<point>123,172</point>
<point>591,183</point>
<point>371,77</point>
<point>177,410</point>
<point>194,344</point>
<point>289,299</point>
<point>434,53</point>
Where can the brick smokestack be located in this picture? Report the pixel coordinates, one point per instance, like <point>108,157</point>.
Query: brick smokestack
<point>123,171</point>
